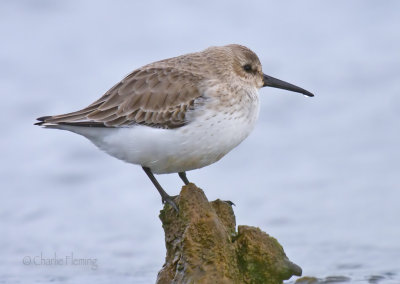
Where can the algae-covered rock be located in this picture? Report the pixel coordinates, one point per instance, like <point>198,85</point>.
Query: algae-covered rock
<point>261,257</point>
<point>308,280</point>
<point>326,280</point>
<point>204,247</point>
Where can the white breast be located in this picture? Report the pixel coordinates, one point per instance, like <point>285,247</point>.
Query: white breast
<point>214,131</point>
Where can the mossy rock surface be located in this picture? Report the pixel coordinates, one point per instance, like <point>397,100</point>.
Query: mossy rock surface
<point>203,245</point>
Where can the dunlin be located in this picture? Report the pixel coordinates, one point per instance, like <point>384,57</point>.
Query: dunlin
<point>177,114</point>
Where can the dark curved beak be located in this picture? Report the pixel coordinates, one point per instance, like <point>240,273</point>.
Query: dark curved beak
<point>276,83</point>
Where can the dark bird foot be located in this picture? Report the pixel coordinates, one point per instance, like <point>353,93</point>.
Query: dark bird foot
<point>229,202</point>
<point>170,200</point>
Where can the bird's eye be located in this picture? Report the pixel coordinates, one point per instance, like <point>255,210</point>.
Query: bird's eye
<point>247,68</point>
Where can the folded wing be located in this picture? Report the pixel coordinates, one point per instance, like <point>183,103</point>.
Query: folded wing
<point>152,96</point>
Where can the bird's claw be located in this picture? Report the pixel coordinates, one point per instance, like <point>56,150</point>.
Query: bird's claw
<point>229,202</point>
<point>168,199</point>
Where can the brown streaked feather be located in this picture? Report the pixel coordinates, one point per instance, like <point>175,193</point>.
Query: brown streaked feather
<point>156,96</point>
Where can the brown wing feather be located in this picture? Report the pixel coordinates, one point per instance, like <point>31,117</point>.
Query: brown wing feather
<point>153,96</point>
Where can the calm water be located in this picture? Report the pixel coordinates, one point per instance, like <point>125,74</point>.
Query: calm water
<point>321,175</point>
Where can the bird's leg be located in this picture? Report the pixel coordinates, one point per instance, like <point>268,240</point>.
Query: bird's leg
<point>164,196</point>
<point>183,177</point>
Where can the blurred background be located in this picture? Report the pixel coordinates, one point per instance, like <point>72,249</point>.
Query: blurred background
<point>320,174</point>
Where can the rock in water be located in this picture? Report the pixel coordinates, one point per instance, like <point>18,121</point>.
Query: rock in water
<point>204,247</point>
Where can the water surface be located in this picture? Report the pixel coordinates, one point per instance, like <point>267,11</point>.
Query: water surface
<point>321,175</point>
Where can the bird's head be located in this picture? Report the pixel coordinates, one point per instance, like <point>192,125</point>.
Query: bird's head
<point>246,65</point>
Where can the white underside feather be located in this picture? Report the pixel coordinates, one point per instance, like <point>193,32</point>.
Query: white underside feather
<point>202,142</point>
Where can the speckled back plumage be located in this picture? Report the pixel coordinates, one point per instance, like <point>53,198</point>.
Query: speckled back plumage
<point>162,93</point>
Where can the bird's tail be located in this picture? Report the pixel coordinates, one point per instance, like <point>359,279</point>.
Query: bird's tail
<point>77,118</point>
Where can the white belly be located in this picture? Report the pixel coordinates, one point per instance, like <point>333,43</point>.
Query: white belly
<point>202,142</point>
